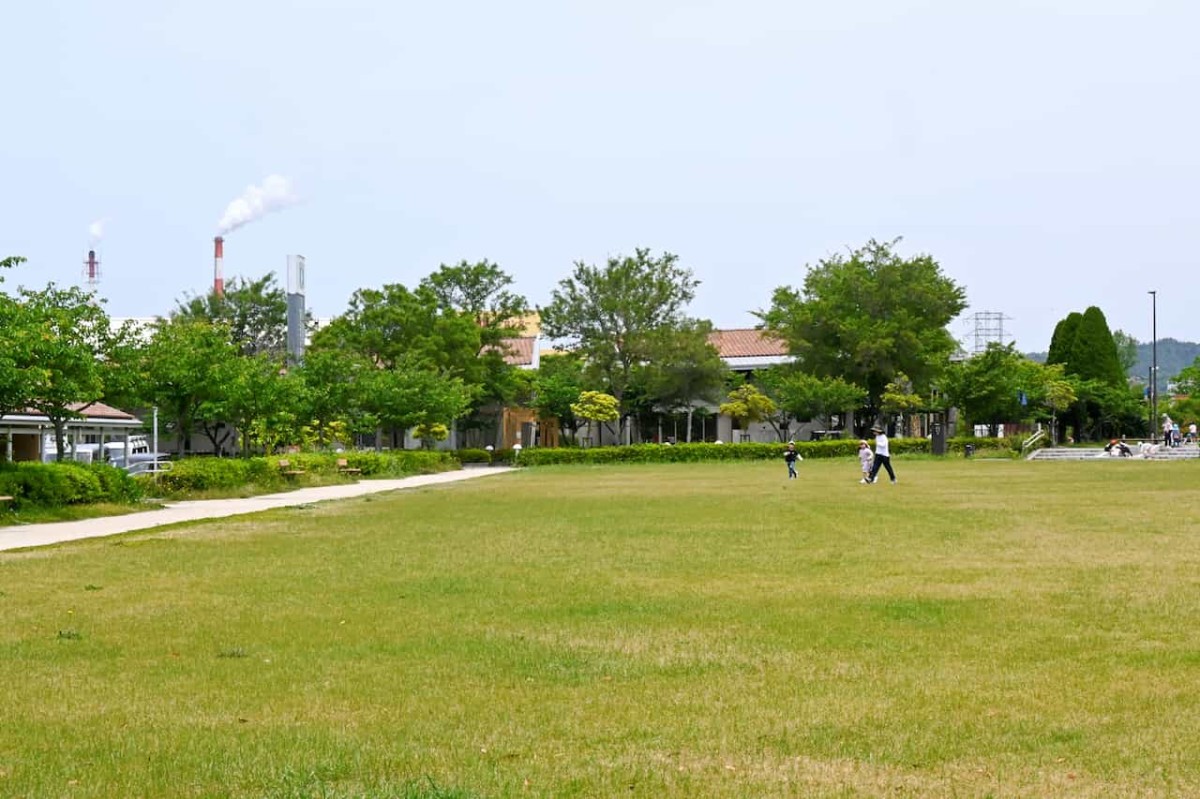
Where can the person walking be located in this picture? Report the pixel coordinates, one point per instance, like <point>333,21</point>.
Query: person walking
<point>790,456</point>
<point>865,457</point>
<point>883,456</point>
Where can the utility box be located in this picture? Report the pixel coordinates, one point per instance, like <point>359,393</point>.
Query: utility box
<point>937,438</point>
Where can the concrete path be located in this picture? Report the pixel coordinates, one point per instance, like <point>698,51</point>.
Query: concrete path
<point>36,535</point>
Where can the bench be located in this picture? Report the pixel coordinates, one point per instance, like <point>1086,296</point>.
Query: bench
<point>344,467</point>
<point>285,467</point>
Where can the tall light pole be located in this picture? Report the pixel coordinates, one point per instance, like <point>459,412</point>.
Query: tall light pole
<point>1154,366</point>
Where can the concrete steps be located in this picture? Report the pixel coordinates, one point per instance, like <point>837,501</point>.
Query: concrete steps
<point>1185,452</point>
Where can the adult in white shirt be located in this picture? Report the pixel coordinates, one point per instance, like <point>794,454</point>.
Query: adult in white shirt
<point>883,456</point>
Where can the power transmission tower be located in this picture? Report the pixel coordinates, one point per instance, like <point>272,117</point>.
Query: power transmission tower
<point>988,329</point>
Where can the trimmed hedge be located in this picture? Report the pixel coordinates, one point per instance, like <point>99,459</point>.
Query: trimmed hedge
<point>1003,446</point>
<point>473,456</point>
<point>692,453</point>
<point>67,483</point>
<point>205,473</point>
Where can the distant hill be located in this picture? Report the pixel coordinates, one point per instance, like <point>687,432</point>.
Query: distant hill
<point>1173,357</point>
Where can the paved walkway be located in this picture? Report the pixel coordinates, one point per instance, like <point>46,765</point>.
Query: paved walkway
<point>36,535</point>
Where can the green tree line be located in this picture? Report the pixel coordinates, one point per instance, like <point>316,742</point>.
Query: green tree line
<point>867,332</point>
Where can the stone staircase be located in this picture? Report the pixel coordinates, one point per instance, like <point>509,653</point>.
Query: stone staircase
<point>1184,452</point>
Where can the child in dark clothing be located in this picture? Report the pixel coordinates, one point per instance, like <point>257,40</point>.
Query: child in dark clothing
<point>790,456</point>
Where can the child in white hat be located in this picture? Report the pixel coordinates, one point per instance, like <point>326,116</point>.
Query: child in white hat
<point>865,456</point>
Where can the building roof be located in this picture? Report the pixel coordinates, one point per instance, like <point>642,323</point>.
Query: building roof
<point>746,343</point>
<point>95,410</point>
<point>96,416</point>
<point>98,410</point>
<point>519,351</point>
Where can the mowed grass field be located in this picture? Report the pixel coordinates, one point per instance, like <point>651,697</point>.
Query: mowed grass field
<point>1003,629</point>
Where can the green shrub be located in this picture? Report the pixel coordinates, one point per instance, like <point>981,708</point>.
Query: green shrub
<point>396,462</point>
<point>66,483</point>
<point>473,456</point>
<point>692,453</point>
<point>993,445</point>
<point>116,484</point>
<point>208,474</point>
<point>204,474</point>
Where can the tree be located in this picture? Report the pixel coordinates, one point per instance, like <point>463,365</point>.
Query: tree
<point>430,433</point>
<point>1094,354</point>
<point>1058,395</point>
<point>425,355</point>
<point>481,292</point>
<point>16,332</point>
<point>1085,348</point>
<point>899,399</point>
<point>409,394</point>
<point>685,368</point>
<point>988,387</point>
<point>746,405</point>
<point>804,396</point>
<point>556,386</point>
<point>613,313</point>
<point>184,370</point>
<point>333,391</point>
<point>395,324</point>
<point>1188,380</point>
<point>64,337</point>
<point>254,312</point>
<point>264,400</point>
<point>596,406</point>
<point>1127,350</point>
<point>868,317</point>
<point>1062,341</point>
<point>1187,383</point>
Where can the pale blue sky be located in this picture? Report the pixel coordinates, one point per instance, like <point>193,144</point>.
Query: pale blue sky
<point>1045,152</point>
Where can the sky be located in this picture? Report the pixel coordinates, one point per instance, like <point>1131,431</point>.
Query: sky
<point>1045,153</point>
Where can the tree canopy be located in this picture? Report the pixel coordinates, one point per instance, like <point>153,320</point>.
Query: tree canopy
<point>869,316</point>
<point>253,312</point>
<point>614,315</point>
<point>1090,356</point>
<point>685,369</point>
<point>63,341</point>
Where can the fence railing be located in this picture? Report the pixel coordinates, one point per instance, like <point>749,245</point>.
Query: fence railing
<point>1033,439</point>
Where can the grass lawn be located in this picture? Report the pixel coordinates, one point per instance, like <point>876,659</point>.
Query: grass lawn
<point>72,513</point>
<point>990,628</point>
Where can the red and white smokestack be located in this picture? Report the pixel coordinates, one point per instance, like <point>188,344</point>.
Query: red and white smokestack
<point>218,273</point>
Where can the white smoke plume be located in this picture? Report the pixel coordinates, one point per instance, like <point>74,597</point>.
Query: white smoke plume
<point>274,194</point>
<point>96,230</point>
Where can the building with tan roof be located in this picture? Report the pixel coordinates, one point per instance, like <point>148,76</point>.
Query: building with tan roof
<point>29,435</point>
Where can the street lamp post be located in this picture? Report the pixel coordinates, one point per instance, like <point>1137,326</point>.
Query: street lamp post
<point>1154,366</point>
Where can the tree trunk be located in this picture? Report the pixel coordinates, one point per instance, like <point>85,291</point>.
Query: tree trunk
<point>689,424</point>
<point>60,439</point>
